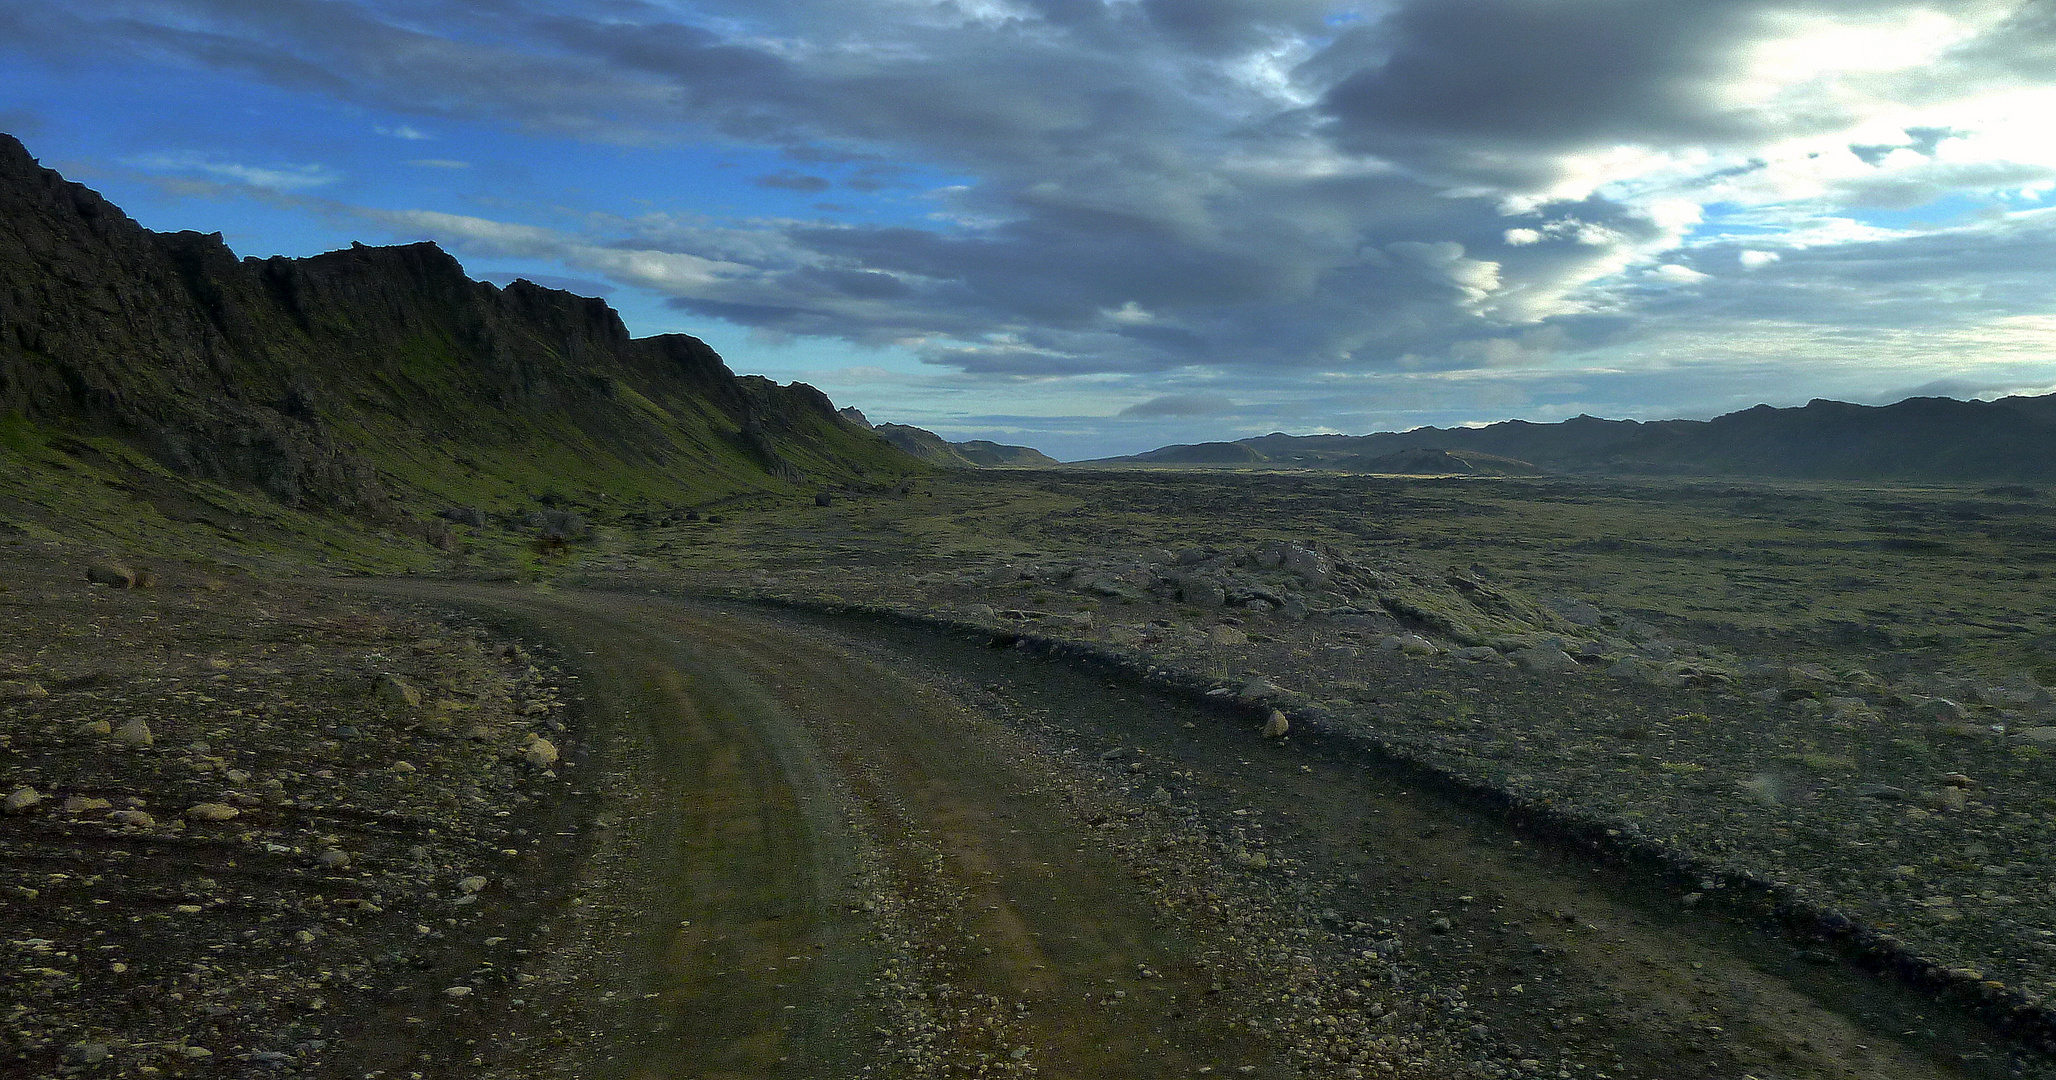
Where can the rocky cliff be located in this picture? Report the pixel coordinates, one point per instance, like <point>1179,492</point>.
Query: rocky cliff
<point>351,379</point>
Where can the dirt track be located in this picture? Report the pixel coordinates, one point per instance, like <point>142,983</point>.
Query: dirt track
<point>824,854</point>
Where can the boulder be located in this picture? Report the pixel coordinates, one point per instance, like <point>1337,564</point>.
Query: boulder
<point>21,800</point>
<point>1202,590</point>
<point>21,690</point>
<point>1545,660</point>
<point>1410,644</point>
<point>112,574</point>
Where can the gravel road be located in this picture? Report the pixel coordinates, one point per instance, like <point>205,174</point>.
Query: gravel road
<point>850,849</point>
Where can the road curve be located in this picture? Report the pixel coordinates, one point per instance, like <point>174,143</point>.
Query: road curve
<point>826,855</point>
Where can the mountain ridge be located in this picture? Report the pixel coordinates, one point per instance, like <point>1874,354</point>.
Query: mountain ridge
<point>1920,438</point>
<point>359,380</point>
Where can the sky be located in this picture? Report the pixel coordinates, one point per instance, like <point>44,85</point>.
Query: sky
<point>1099,226</point>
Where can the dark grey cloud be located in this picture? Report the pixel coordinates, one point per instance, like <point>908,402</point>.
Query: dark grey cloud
<point>794,181</point>
<point>1180,405</point>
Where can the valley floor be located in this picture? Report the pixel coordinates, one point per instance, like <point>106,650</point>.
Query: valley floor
<point>777,806</point>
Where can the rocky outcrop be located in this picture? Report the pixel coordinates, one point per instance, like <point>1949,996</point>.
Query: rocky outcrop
<point>336,380</point>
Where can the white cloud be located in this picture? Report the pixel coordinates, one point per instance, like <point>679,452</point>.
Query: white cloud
<point>282,178</point>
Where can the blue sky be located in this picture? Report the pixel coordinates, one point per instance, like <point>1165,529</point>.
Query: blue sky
<point>1098,226</point>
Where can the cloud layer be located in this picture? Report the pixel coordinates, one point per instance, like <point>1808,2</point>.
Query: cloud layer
<point>1191,203</point>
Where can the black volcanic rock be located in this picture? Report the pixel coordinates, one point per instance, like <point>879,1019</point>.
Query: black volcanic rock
<point>1438,462</point>
<point>340,379</point>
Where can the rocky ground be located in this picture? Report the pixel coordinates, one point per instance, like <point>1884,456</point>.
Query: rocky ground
<point>245,821</point>
<point>256,827</point>
<point>1916,804</point>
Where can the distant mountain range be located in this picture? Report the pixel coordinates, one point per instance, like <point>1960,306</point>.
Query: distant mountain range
<point>1927,438</point>
<point>936,450</point>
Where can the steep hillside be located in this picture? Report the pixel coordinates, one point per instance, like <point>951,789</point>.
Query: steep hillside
<point>924,444</point>
<point>991,454</point>
<point>976,454</point>
<point>377,382</point>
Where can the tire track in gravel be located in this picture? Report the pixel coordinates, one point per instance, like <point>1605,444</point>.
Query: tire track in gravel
<point>774,770</point>
<point>839,858</point>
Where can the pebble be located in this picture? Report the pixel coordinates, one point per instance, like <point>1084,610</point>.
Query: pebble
<point>333,858</point>
<point>79,804</point>
<point>95,727</point>
<point>211,811</point>
<point>472,884</point>
<point>138,818</point>
<point>87,1053</point>
<point>135,733</point>
<point>540,752</point>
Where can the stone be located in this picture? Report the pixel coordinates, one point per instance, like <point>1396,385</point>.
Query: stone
<point>1483,654</point>
<point>1202,591</point>
<point>138,818</point>
<point>95,727</point>
<point>21,690</point>
<point>1224,634</point>
<point>1310,565</point>
<point>1409,644</point>
<point>135,733</point>
<point>1276,725</point>
<point>80,804</point>
<point>1260,689</point>
<point>540,752</point>
<point>463,515</point>
<point>87,1053</point>
<point>211,811</point>
<point>1642,669</point>
<point>457,992</point>
<point>395,690</point>
<point>112,574</point>
<point>2041,736</point>
<point>21,800</point>
<point>333,858</point>
<point>1575,612</point>
<point>1544,660</point>
<point>472,884</point>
